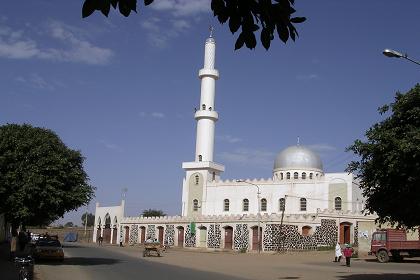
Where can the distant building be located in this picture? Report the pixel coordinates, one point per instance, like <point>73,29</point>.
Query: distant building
<point>300,207</point>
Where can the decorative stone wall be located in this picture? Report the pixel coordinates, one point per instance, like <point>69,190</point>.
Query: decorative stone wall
<point>151,231</point>
<point>289,237</point>
<point>214,238</point>
<point>189,237</point>
<point>170,235</point>
<point>327,233</point>
<point>134,234</point>
<point>241,237</point>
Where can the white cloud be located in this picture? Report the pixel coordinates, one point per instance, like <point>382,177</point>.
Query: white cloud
<point>321,148</point>
<point>182,7</point>
<point>36,81</point>
<point>159,32</point>
<point>249,157</point>
<point>14,44</point>
<point>158,115</point>
<point>306,77</point>
<point>228,138</point>
<point>111,146</point>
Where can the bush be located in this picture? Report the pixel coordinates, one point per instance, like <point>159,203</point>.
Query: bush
<point>326,248</point>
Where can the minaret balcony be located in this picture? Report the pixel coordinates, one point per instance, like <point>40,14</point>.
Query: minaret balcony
<point>208,73</point>
<point>206,114</point>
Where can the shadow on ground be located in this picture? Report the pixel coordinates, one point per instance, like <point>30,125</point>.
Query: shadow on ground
<point>392,261</point>
<point>80,261</point>
<point>384,276</point>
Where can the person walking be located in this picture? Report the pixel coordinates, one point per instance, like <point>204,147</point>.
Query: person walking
<point>348,252</point>
<point>13,245</point>
<point>338,253</point>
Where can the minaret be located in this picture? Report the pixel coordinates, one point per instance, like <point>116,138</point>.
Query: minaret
<point>206,116</point>
<point>203,171</point>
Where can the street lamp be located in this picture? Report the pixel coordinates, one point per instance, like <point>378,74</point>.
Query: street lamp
<point>392,53</point>
<point>258,216</point>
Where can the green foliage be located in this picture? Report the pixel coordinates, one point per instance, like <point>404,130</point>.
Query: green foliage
<point>153,213</point>
<point>40,178</point>
<point>69,224</point>
<point>389,164</point>
<point>90,219</point>
<point>247,15</point>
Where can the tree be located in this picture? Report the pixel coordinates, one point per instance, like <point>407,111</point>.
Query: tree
<point>69,224</point>
<point>90,219</point>
<point>247,15</point>
<point>389,164</point>
<point>40,178</point>
<point>153,213</point>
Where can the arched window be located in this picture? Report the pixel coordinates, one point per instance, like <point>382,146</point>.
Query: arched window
<point>282,204</point>
<point>288,175</point>
<point>263,204</point>
<point>245,205</point>
<point>311,175</point>
<point>214,176</point>
<point>197,179</point>
<point>200,158</point>
<point>210,108</point>
<point>295,175</point>
<point>303,204</point>
<point>303,175</point>
<point>226,205</point>
<point>203,106</point>
<point>195,205</point>
<point>281,176</point>
<point>337,203</point>
<point>306,230</point>
<point>317,175</point>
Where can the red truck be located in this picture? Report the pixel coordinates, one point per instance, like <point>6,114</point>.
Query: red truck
<point>393,243</point>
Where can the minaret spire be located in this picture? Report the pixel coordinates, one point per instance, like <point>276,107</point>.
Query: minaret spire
<point>206,115</point>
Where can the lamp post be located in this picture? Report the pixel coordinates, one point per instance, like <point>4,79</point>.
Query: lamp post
<point>392,53</point>
<point>259,214</point>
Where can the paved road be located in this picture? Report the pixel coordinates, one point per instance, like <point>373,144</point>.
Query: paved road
<point>86,263</point>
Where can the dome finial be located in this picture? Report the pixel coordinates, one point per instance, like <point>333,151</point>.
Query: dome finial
<point>298,141</point>
<point>211,28</point>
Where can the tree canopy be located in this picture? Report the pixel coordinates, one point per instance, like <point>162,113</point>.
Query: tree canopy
<point>40,178</point>
<point>153,213</point>
<point>90,219</point>
<point>249,16</point>
<point>389,164</point>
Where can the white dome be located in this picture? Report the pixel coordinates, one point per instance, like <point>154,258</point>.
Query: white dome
<point>298,158</point>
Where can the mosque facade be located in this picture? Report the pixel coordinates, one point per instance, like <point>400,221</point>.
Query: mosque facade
<point>300,207</point>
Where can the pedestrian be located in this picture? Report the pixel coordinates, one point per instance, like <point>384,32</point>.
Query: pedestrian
<point>13,244</point>
<point>348,252</point>
<point>338,253</point>
<point>100,239</point>
<point>22,240</point>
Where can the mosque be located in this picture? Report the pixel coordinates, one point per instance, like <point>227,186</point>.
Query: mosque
<point>300,207</point>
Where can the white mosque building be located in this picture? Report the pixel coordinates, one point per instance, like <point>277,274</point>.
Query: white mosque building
<point>299,207</point>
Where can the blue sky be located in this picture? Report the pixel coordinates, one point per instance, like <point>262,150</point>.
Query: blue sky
<point>123,90</point>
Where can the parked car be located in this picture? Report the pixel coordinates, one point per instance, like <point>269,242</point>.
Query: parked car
<point>47,248</point>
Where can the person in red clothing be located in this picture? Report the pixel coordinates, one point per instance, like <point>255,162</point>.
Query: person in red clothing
<point>348,252</point>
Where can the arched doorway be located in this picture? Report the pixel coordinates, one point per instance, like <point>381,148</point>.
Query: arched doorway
<point>255,237</point>
<point>107,229</point>
<point>160,234</point>
<point>142,234</point>
<point>345,229</point>
<point>228,237</point>
<point>114,235</point>
<point>203,237</point>
<point>127,234</point>
<point>180,236</point>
